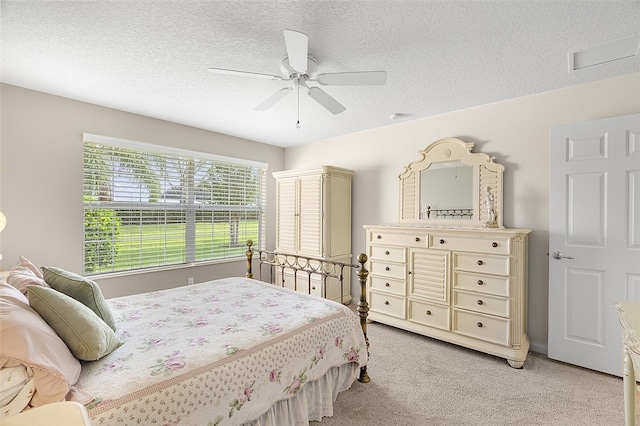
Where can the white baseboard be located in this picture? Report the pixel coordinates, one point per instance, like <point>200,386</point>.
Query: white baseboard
<point>540,348</point>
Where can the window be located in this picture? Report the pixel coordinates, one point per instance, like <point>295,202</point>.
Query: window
<point>147,206</point>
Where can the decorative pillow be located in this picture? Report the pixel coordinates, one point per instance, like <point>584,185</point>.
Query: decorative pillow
<point>82,289</point>
<point>87,336</point>
<point>25,273</point>
<point>26,340</point>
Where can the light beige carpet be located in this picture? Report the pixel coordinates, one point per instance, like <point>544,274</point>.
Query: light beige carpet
<point>416,380</point>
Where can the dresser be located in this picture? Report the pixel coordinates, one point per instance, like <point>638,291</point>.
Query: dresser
<point>313,219</point>
<point>450,269</point>
<point>467,287</point>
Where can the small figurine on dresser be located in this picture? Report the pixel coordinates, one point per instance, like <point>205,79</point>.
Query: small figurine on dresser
<point>488,198</point>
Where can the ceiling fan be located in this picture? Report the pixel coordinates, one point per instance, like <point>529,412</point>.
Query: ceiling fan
<point>299,68</point>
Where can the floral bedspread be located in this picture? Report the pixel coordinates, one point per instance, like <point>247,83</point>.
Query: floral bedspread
<point>216,353</point>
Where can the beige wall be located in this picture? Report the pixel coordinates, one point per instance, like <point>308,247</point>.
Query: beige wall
<point>516,132</point>
<point>41,180</point>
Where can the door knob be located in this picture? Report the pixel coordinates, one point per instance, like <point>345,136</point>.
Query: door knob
<point>557,256</point>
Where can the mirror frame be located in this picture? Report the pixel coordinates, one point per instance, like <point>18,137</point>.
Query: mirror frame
<point>487,213</point>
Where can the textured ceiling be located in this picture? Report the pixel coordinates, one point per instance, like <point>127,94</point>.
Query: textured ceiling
<point>151,57</point>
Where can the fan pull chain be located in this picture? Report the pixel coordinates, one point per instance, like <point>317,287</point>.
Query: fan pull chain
<point>298,122</point>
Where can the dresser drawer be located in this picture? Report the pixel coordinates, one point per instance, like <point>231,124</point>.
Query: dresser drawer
<point>389,285</point>
<point>480,326</point>
<point>389,269</point>
<point>482,283</point>
<point>419,239</point>
<point>483,303</point>
<point>479,243</point>
<point>392,254</point>
<point>387,304</point>
<point>483,263</point>
<point>429,314</point>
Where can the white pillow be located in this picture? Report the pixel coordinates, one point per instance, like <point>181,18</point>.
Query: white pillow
<point>25,273</point>
<point>27,340</point>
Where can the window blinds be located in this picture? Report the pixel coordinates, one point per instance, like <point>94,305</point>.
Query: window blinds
<point>147,206</point>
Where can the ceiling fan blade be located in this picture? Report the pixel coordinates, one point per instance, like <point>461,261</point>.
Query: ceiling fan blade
<point>271,100</point>
<point>245,73</point>
<point>325,100</point>
<point>363,78</point>
<point>297,50</point>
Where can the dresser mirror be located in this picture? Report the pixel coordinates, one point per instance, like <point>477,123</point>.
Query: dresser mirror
<point>451,185</point>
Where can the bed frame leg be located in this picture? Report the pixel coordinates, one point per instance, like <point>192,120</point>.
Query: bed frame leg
<point>249,254</point>
<point>363,310</point>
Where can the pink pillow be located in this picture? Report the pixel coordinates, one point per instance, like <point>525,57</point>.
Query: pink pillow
<point>25,273</point>
<point>27,340</point>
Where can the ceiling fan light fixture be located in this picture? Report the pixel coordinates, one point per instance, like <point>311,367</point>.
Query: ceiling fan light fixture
<point>288,71</point>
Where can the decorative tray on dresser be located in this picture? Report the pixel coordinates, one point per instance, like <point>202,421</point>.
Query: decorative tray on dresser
<point>451,270</point>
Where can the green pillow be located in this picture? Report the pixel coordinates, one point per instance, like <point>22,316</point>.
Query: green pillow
<point>80,288</point>
<point>85,334</point>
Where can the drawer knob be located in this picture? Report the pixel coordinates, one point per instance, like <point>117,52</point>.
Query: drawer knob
<point>386,268</point>
<point>494,244</point>
<point>480,302</point>
<point>428,312</point>
<point>386,252</point>
<point>417,239</point>
<point>387,284</point>
<point>313,288</point>
<point>480,282</point>
<point>480,262</point>
<point>386,302</point>
<point>441,241</point>
<point>479,324</point>
<point>379,236</point>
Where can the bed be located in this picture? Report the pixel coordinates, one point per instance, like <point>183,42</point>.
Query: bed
<point>225,352</point>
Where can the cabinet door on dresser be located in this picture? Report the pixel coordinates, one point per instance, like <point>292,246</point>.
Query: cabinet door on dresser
<point>428,285</point>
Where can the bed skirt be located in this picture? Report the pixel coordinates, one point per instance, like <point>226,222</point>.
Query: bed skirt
<point>313,402</point>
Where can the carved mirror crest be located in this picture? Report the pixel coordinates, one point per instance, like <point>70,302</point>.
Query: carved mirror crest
<point>451,185</point>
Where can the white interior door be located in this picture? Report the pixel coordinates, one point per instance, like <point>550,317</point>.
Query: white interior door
<point>594,238</point>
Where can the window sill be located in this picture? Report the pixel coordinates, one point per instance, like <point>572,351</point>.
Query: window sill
<point>165,268</point>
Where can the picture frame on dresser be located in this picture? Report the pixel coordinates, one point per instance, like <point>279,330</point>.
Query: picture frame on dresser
<point>450,269</point>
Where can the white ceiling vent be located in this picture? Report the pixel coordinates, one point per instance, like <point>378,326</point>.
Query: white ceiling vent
<point>613,50</point>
